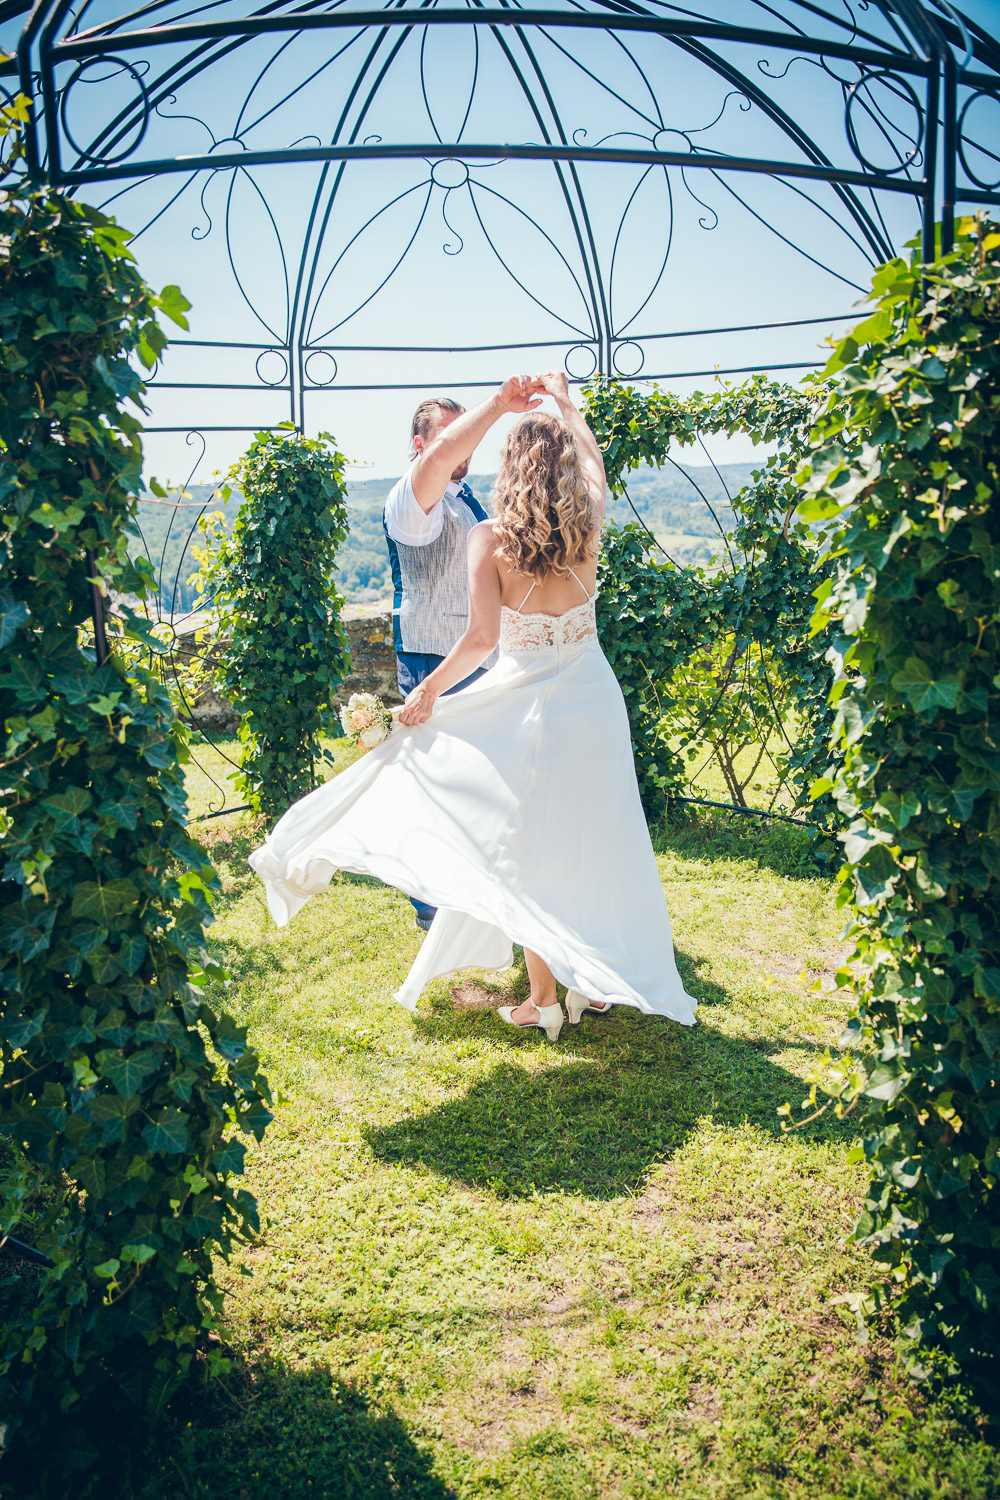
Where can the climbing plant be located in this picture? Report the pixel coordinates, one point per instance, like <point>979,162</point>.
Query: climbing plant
<point>721,658</point>
<point>281,650</point>
<point>124,1091</point>
<point>650,617</point>
<point>905,467</point>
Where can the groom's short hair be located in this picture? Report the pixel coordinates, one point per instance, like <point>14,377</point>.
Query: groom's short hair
<point>427,412</point>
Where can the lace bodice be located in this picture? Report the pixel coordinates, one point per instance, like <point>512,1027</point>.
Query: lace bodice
<point>527,634</point>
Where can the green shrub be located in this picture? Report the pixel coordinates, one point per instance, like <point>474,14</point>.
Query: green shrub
<point>113,1098</point>
<point>282,650</point>
<point>906,461</point>
<point>638,601</point>
<point>723,656</point>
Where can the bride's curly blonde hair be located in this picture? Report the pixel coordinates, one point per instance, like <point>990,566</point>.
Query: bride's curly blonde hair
<point>545,520</point>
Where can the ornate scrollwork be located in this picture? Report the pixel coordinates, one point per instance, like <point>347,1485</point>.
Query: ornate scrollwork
<point>966,145</point>
<point>861,96</point>
<point>101,70</point>
<point>559,156</point>
<point>314,371</point>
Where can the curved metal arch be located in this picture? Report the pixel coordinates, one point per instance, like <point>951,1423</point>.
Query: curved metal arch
<point>918,40</point>
<point>304,288</point>
<point>576,201</point>
<point>925,41</point>
<point>749,87</point>
<point>313,342</point>
<point>619,330</point>
<point>303,293</point>
<point>310,295</point>
<point>872,230</point>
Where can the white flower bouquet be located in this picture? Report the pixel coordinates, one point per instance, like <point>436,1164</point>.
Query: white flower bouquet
<point>366,720</point>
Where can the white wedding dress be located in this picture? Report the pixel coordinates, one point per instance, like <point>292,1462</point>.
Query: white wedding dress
<point>514,810</point>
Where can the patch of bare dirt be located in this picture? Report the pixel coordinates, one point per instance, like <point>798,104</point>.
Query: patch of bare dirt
<point>502,1416</point>
<point>628,1424</point>
<point>472,996</point>
<point>557,1306</point>
<point>784,964</point>
<point>788,966</point>
<point>704,1404</point>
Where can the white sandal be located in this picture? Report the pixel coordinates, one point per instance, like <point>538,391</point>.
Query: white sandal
<point>550,1018</point>
<point>576,1004</point>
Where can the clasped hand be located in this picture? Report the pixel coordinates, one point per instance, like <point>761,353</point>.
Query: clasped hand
<point>517,391</point>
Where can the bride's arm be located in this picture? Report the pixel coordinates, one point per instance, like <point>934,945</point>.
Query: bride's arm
<point>591,457</point>
<point>457,442</point>
<point>480,637</point>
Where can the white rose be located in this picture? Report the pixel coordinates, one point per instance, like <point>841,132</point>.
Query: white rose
<point>372,737</point>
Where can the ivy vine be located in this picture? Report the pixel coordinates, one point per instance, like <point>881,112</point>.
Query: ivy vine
<point>650,617</point>
<point>905,471</point>
<point>282,651</point>
<point>722,657</point>
<point>124,1092</point>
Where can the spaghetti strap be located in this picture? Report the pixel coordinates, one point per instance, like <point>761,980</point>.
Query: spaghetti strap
<point>573,571</point>
<point>527,597</point>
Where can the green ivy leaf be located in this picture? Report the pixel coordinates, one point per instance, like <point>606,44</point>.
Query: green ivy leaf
<point>924,690</point>
<point>137,1253</point>
<point>127,1072</point>
<point>13,614</point>
<point>168,1133</point>
<point>876,875</point>
<point>173,302</point>
<point>132,953</point>
<point>102,901</point>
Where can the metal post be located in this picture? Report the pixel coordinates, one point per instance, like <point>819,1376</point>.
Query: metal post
<point>26,82</point>
<point>97,611</point>
<point>950,146</point>
<point>928,249</point>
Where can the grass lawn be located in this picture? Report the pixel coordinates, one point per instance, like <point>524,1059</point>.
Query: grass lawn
<point>491,1266</point>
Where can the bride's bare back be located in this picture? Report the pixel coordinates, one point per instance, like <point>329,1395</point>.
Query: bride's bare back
<point>553,595</point>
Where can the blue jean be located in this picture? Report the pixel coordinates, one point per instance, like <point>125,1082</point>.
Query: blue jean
<point>413,666</point>
<point>411,669</point>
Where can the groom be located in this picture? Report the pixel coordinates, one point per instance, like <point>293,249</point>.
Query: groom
<point>427,519</point>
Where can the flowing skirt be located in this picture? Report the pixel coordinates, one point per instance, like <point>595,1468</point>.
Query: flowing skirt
<point>515,811</point>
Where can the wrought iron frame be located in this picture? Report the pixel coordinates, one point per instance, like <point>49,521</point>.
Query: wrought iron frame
<point>933,51</point>
<point>928,57</point>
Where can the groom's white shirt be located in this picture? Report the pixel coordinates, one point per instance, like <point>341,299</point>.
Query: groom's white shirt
<point>405,519</point>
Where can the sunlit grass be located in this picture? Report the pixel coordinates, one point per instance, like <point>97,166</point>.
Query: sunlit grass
<point>213,764</point>
<point>490,1266</point>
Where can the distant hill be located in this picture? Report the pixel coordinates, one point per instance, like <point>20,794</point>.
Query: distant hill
<point>675,505</point>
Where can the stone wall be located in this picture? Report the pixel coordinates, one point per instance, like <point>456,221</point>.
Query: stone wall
<point>373,661</point>
<point>369,631</point>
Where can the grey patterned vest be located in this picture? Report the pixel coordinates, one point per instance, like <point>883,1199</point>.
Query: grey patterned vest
<point>431,587</point>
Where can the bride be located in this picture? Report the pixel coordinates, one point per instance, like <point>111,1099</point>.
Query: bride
<point>512,805</point>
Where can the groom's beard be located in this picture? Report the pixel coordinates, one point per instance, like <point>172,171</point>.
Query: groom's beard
<point>461,471</point>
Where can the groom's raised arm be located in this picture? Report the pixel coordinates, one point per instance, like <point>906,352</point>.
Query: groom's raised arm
<point>457,442</point>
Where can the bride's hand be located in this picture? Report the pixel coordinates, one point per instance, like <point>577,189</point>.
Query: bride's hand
<point>516,393</point>
<point>418,705</point>
<point>553,383</point>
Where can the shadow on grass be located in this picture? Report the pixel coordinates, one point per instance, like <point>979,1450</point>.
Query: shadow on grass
<point>283,1433</point>
<point>623,1093</point>
<point>785,848</point>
